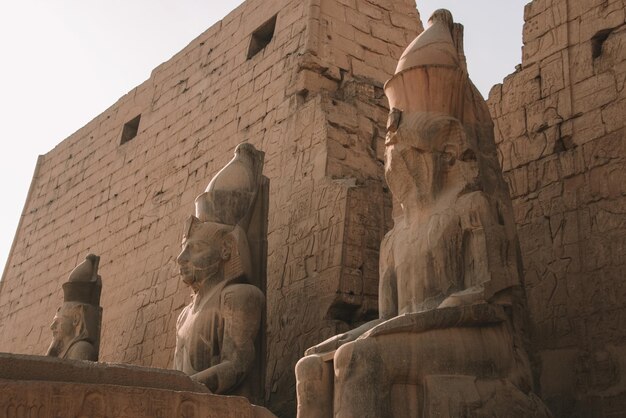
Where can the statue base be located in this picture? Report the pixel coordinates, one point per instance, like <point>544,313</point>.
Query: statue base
<point>36,386</point>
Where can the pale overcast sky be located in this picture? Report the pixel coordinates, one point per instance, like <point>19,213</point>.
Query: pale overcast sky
<point>66,61</point>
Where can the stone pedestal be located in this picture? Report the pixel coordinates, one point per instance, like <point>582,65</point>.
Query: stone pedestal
<point>44,387</point>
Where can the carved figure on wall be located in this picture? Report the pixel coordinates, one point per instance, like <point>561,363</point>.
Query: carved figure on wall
<point>450,339</point>
<point>217,333</point>
<point>76,325</point>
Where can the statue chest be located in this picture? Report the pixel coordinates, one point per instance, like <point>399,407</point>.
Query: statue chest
<point>200,333</point>
<point>428,262</point>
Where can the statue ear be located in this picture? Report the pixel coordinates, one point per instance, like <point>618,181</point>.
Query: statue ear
<point>77,311</point>
<point>228,245</point>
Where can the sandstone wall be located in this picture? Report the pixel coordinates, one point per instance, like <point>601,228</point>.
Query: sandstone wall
<point>312,100</point>
<point>560,130</point>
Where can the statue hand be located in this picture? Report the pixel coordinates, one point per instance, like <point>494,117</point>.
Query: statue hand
<point>207,378</point>
<point>337,341</point>
<point>466,297</point>
<point>332,343</point>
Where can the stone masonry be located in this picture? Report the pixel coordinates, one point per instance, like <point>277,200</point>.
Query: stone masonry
<point>311,99</point>
<point>560,127</point>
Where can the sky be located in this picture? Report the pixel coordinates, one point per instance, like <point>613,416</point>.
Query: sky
<point>63,62</point>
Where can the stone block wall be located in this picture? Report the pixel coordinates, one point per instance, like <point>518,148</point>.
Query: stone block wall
<point>311,99</point>
<point>560,128</point>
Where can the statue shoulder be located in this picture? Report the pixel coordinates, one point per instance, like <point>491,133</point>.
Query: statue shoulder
<point>391,236</point>
<point>242,295</point>
<point>476,209</point>
<point>81,350</point>
<point>474,197</point>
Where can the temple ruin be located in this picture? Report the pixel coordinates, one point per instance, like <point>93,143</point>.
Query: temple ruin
<point>303,82</point>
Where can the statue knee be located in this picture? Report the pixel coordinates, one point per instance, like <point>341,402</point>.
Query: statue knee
<point>314,387</point>
<point>353,354</point>
<point>310,368</point>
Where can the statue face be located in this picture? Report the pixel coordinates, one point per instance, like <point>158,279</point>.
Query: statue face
<point>422,156</point>
<point>64,323</point>
<point>407,171</point>
<point>205,249</point>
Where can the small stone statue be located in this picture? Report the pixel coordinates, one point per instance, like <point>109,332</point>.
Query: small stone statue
<point>449,341</point>
<point>216,334</point>
<point>76,325</point>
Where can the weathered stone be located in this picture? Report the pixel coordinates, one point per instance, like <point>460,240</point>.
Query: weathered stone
<point>217,334</point>
<point>127,202</point>
<point>76,325</point>
<point>451,305</point>
<point>33,386</point>
<point>569,241</point>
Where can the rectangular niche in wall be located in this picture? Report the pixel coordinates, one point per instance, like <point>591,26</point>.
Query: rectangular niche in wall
<point>261,37</point>
<point>130,129</point>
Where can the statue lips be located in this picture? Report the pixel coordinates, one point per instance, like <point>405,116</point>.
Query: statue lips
<point>187,274</point>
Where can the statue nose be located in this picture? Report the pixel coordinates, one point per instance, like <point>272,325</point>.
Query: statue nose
<point>183,257</point>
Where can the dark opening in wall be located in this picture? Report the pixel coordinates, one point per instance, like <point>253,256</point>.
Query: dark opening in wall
<point>130,129</point>
<point>261,37</point>
<point>597,41</point>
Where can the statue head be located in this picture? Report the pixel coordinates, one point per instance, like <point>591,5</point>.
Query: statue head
<point>212,252</point>
<point>427,153</point>
<point>215,247</point>
<point>67,327</point>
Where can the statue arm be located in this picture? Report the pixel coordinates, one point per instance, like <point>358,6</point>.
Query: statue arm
<point>242,307</point>
<point>485,243</point>
<point>178,353</point>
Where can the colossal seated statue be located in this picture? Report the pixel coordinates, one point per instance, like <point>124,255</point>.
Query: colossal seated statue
<point>217,332</point>
<point>450,338</point>
<point>76,325</point>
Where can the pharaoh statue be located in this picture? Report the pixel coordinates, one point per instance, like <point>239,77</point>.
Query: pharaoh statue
<point>76,325</point>
<point>449,341</point>
<point>223,262</point>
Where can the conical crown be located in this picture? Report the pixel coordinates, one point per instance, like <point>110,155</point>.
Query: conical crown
<point>434,46</point>
<point>431,76</point>
<point>231,193</point>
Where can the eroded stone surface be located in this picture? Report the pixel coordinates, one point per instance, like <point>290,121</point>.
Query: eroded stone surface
<point>312,100</point>
<point>44,387</point>
<point>559,125</point>
<point>451,304</point>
